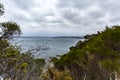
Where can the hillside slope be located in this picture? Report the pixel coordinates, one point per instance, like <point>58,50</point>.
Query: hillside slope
<point>97,58</point>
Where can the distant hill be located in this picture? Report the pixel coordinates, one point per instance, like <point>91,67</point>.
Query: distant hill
<point>79,37</point>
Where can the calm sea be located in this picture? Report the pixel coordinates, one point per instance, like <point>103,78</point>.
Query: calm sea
<point>55,46</point>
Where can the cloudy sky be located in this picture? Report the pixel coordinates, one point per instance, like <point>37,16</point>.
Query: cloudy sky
<point>61,17</point>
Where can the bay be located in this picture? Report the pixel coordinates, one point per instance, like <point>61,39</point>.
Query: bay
<point>55,46</point>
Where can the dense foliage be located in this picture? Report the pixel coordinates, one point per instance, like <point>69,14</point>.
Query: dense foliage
<point>96,58</point>
<point>15,65</point>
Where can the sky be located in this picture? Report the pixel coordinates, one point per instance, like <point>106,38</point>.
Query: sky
<point>61,17</point>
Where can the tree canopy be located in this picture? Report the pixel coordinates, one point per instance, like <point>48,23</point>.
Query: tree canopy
<point>9,29</point>
<point>1,9</point>
<point>14,64</point>
<point>96,58</point>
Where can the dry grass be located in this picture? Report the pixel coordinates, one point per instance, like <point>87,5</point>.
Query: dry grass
<point>54,74</point>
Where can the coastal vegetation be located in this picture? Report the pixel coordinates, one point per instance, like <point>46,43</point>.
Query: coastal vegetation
<point>15,65</point>
<point>96,58</point>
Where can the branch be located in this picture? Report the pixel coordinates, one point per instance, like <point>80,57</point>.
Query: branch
<point>39,48</point>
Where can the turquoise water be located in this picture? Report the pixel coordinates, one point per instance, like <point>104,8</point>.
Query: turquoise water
<point>55,46</point>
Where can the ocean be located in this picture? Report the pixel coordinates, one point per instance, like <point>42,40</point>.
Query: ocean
<point>50,46</point>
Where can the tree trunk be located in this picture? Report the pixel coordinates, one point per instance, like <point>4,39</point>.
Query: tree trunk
<point>113,76</point>
<point>115,73</point>
<point>85,76</point>
<point>110,76</point>
<point>2,77</point>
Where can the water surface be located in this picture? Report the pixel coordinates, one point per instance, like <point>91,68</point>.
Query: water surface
<point>55,46</point>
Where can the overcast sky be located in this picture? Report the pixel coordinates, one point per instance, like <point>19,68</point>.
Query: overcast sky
<point>61,17</point>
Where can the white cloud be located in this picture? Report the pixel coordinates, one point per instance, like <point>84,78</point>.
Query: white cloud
<point>61,17</point>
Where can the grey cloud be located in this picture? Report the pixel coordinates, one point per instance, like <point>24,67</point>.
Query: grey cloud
<point>75,3</point>
<point>56,21</point>
<point>71,16</point>
<point>65,17</point>
<point>96,14</point>
<point>24,4</point>
<point>92,17</point>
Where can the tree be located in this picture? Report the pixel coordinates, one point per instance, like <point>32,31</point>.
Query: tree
<point>9,30</point>
<point>96,58</point>
<point>1,9</point>
<point>15,65</point>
